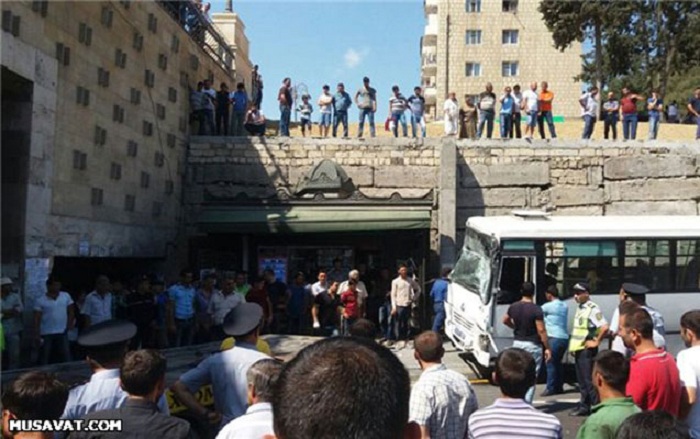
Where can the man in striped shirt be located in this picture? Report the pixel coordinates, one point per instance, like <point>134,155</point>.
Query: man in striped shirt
<point>510,416</point>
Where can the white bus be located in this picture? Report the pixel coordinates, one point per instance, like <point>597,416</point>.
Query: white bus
<point>502,252</point>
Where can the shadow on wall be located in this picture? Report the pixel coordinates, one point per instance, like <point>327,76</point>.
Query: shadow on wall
<point>470,198</point>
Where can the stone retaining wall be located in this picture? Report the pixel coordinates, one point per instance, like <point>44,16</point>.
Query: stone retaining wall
<point>489,178</point>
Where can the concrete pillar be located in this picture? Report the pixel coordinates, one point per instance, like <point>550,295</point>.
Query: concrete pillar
<point>447,202</point>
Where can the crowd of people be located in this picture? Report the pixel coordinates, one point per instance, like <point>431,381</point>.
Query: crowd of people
<point>534,108</point>
<point>193,311</point>
<point>634,390</point>
<point>474,119</point>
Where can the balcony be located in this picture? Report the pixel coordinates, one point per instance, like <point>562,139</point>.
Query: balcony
<point>198,26</point>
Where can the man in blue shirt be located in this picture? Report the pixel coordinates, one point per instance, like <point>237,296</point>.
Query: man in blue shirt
<point>341,102</point>
<point>182,296</point>
<point>439,294</point>
<point>239,98</point>
<point>556,315</point>
<point>507,105</point>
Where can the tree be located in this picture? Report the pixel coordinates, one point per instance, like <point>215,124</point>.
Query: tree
<point>643,42</point>
<point>594,20</point>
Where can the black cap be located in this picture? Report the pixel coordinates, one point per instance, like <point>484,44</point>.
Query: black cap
<point>107,333</point>
<point>242,319</point>
<point>633,289</point>
<point>365,79</point>
<point>581,286</point>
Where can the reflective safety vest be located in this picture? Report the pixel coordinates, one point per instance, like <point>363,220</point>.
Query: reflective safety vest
<point>581,330</point>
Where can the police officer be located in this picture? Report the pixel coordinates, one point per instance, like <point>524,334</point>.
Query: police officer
<point>105,344</point>
<point>590,327</point>
<point>225,371</point>
<point>638,294</point>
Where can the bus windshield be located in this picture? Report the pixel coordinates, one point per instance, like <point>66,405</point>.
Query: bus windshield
<point>473,268</point>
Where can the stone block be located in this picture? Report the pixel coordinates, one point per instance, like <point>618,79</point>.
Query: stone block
<point>652,208</point>
<point>516,174</point>
<point>579,211</point>
<point>651,190</point>
<point>405,176</point>
<point>497,197</point>
<point>648,166</point>
<point>575,196</point>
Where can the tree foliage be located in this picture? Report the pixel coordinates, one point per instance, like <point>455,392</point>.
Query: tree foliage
<point>642,42</point>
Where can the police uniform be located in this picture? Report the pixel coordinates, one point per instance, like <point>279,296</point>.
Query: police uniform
<point>226,371</point>
<point>587,322</point>
<point>103,391</point>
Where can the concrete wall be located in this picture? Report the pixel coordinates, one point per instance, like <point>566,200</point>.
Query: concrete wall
<point>61,220</point>
<point>470,178</point>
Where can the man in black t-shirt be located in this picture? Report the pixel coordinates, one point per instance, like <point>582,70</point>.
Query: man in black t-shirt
<point>529,333</point>
<point>327,303</point>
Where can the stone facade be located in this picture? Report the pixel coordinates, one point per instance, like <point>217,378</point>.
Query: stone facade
<point>470,178</point>
<point>445,52</point>
<point>109,128</point>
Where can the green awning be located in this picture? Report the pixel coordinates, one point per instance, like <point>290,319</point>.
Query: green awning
<point>306,219</point>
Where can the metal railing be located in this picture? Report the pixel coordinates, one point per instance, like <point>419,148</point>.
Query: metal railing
<point>198,26</point>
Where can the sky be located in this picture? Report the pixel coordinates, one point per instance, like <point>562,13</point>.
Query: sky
<point>326,42</point>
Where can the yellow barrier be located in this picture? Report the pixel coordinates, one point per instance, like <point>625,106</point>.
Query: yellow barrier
<point>205,396</point>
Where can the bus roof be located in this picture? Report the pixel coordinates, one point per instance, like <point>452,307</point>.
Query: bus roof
<point>586,227</point>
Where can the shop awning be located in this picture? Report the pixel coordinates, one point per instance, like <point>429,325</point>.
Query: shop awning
<point>307,219</point>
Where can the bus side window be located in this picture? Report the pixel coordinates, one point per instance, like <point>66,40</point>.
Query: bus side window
<point>514,271</point>
<point>688,265</point>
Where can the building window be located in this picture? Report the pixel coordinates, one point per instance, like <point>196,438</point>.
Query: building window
<point>171,140</point>
<point>107,16</point>
<point>511,36</point>
<point>63,54</point>
<point>473,69</point>
<point>145,180</point>
<point>510,6</point>
<point>159,159</point>
<point>135,96</point>
<point>473,37</point>
<point>473,5</point>
<point>120,58</point>
<point>115,171</point>
<point>41,7</point>
<point>79,160</point>
<point>129,203</point>
<point>82,96</point>
<point>509,68</point>
<point>96,197</point>
<point>138,42</point>
<point>132,148</point>
<point>84,34</point>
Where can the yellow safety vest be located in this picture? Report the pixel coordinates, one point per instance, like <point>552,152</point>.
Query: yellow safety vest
<point>580,332</point>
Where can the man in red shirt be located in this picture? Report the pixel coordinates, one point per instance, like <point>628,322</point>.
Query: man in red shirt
<point>654,381</point>
<point>349,301</point>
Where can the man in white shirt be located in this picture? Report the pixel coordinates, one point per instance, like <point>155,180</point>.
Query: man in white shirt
<point>325,105</point>
<point>689,368</point>
<point>451,115</point>
<point>221,303</point>
<point>589,111</point>
<point>404,292</point>
<point>257,420</point>
<point>530,106</point>
<point>98,304</point>
<point>209,105</point>
<point>320,286</point>
<point>442,400</point>
<point>53,317</point>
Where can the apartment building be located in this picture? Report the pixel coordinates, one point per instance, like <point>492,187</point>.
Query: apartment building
<point>467,43</point>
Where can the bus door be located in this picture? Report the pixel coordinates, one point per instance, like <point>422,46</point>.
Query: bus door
<point>515,268</point>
